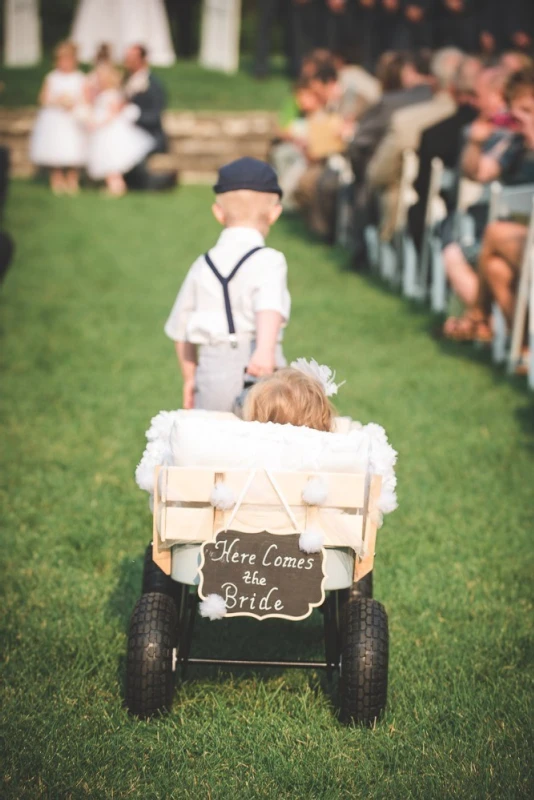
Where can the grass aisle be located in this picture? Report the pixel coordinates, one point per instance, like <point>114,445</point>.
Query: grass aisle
<point>85,365</point>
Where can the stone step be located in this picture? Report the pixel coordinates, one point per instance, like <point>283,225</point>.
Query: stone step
<point>199,142</point>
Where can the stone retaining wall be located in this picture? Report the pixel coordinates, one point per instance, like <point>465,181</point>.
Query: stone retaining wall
<point>199,142</point>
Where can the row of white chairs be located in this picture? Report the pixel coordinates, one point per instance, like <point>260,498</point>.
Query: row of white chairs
<point>422,277</point>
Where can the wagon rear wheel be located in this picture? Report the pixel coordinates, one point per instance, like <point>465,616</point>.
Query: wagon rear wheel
<point>152,643</point>
<point>364,661</point>
<point>154,579</point>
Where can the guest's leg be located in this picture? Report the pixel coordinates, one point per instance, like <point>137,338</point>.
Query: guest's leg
<point>500,261</point>
<point>73,181</point>
<point>116,185</point>
<point>461,276</point>
<point>57,181</point>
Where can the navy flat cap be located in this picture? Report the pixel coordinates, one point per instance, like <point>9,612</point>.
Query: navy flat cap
<point>247,173</point>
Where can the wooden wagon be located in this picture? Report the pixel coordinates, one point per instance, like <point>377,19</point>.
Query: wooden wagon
<point>250,559</point>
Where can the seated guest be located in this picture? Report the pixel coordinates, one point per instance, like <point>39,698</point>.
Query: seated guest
<point>511,160</point>
<point>355,81</point>
<point>405,130</point>
<point>514,61</point>
<point>405,82</point>
<point>492,126</point>
<point>444,140</point>
<point>289,151</point>
<point>146,92</point>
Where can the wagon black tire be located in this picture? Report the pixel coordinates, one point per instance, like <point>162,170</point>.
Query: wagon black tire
<point>152,637</point>
<point>154,579</point>
<point>358,590</point>
<point>364,661</point>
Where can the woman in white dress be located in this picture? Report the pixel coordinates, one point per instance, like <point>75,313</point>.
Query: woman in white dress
<point>123,23</point>
<point>59,141</point>
<point>116,144</point>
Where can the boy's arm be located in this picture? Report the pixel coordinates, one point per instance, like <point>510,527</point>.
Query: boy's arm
<point>187,358</point>
<point>272,306</point>
<point>262,361</point>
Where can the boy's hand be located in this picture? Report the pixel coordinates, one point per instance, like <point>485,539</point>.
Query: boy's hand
<point>261,364</point>
<point>188,398</point>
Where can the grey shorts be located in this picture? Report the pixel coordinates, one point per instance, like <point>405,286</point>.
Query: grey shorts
<point>220,374</point>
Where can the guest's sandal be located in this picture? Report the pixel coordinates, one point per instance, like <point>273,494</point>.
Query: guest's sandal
<point>467,329</point>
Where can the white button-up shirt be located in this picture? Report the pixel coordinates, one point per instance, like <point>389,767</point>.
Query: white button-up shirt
<point>198,315</point>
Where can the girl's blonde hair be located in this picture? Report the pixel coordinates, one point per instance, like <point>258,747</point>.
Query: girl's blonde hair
<point>290,397</point>
<point>66,48</point>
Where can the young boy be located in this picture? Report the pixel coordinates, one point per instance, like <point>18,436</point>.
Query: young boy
<point>230,312</point>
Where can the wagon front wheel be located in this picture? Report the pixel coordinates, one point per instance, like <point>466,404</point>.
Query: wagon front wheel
<point>152,642</point>
<point>364,661</point>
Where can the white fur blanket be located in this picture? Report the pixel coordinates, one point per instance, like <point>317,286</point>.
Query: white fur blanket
<point>207,439</point>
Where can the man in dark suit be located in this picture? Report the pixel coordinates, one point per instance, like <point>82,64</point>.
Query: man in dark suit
<point>499,31</point>
<point>444,140</point>
<point>456,24</point>
<point>146,92</point>
<point>414,28</point>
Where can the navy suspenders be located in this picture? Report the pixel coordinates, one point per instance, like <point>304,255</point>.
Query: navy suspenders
<point>225,283</point>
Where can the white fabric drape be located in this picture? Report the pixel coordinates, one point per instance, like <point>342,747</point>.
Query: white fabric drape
<point>219,40</point>
<point>22,33</point>
<point>121,23</point>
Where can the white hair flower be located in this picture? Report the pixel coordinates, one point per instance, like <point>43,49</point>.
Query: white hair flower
<point>320,372</point>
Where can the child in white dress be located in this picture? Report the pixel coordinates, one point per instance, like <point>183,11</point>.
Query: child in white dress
<point>116,144</point>
<point>59,141</point>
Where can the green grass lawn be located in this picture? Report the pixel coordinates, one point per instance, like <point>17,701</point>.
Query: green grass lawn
<point>85,365</point>
<point>188,87</point>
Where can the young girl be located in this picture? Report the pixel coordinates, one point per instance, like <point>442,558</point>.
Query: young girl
<point>58,139</point>
<point>292,397</point>
<point>116,144</point>
<point>102,58</point>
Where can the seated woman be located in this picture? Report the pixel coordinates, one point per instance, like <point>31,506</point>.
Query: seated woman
<point>511,162</point>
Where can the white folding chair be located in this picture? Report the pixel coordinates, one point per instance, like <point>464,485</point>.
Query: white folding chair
<point>399,256</point>
<point>522,307</point>
<point>432,245</point>
<point>344,200</point>
<point>506,201</point>
<point>531,327</point>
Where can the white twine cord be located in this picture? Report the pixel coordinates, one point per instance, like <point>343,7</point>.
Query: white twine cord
<point>240,499</point>
<point>283,501</point>
<point>278,491</point>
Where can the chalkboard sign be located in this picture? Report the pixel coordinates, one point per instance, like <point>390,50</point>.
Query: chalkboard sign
<point>262,575</point>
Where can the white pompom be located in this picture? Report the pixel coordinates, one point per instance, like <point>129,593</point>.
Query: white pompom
<point>222,497</point>
<point>315,492</point>
<point>311,540</point>
<point>213,607</point>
